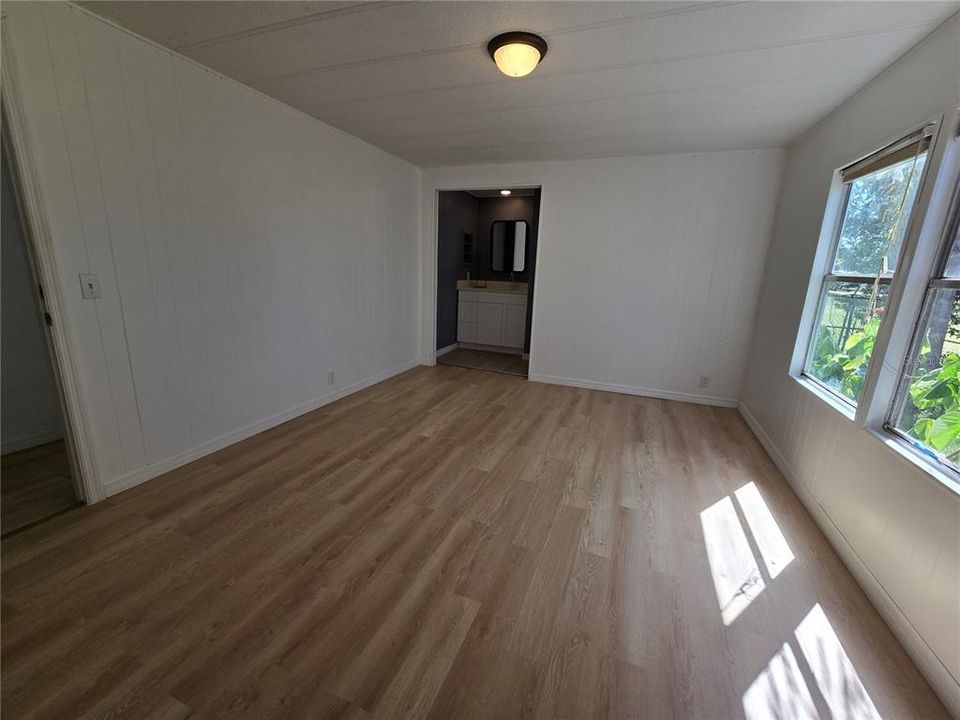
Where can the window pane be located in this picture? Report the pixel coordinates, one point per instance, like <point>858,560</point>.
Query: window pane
<point>844,336</point>
<point>871,231</point>
<point>929,410</point>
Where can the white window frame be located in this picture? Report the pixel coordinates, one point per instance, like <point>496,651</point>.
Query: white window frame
<point>918,264</point>
<point>823,272</point>
<point>937,281</point>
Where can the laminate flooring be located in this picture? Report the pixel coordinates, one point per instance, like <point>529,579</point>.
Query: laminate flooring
<point>453,543</point>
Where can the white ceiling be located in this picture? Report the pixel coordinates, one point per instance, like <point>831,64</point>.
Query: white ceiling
<point>620,78</point>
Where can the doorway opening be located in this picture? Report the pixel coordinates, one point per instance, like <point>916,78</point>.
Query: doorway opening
<point>486,268</point>
<point>37,479</point>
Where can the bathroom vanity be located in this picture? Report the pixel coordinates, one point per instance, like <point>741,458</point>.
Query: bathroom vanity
<point>492,317</point>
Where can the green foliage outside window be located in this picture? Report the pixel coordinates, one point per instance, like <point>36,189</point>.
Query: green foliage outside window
<point>844,367</point>
<point>931,412</point>
<point>931,409</point>
<point>935,396</point>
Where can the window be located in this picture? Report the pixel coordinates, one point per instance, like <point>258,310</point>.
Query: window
<point>878,196</point>
<point>927,410</point>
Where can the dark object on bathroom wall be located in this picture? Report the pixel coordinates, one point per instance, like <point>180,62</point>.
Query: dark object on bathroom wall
<point>508,246</point>
<point>467,248</point>
<point>493,209</point>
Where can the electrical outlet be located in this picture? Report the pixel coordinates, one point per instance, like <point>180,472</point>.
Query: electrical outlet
<point>89,286</point>
<point>331,378</point>
<point>704,381</point>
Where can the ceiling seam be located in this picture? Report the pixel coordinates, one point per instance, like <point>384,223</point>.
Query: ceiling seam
<point>595,123</point>
<point>450,49</point>
<point>606,98</point>
<point>378,5</point>
<point>730,148</point>
<point>286,24</point>
<point>647,63</point>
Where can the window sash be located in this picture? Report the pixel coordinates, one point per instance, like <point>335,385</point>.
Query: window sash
<point>939,281</point>
<point>806,372</point>
<point>906,148</point>
<point>907,374</point>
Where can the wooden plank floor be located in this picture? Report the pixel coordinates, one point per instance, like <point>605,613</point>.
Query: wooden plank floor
<point>453,544</point>
<point>34,484</point>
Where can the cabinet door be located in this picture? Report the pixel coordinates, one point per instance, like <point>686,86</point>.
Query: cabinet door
<point>466,332</point>
<point>467,311</point>
<point>513,327</point>
<point>488,323</point>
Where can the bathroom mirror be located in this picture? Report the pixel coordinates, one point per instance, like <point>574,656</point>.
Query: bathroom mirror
<point>508,245</point>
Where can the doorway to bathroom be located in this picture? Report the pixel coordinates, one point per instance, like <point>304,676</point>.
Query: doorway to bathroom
<point>486,268</point>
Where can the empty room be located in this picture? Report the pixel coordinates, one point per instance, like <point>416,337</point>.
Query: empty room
<point>451,360</point>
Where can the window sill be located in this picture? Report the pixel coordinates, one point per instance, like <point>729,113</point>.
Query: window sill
<point>848,411</point>
<point>929,466</point>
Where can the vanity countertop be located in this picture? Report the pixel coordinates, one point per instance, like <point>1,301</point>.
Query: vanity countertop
<point>495,286</point>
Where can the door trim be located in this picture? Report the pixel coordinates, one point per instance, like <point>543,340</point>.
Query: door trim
<point>40,250</point>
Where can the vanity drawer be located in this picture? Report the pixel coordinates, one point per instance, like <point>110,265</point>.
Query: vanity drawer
<point>468,295</point>
<point>501,298</point>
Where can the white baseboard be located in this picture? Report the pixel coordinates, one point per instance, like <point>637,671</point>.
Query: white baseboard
<point>633,390</point>
<point>936,673</point>
<point>448,348</point>
<point>25,442</point>
<point>140,475</point>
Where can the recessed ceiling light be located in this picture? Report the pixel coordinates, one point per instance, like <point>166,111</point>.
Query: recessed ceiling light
<point>504,192</point>
<point>517,53</point>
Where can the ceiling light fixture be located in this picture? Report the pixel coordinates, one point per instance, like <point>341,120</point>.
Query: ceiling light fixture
<point>504,192</point>
<point>517,53</point>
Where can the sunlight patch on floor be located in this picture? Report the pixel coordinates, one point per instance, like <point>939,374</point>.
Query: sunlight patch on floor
<point>779,692</point>
<point>835,675</point>
<point>736,576</point>
<point>783,691</point>
<point>766,533</point>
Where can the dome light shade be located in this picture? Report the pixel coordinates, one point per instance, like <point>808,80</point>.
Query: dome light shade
<point>517,53</point>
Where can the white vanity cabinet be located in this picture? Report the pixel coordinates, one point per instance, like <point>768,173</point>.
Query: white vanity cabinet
<point>494,319</point>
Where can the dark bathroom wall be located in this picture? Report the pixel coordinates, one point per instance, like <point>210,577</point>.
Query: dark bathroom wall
<point>511,208</point>
<point>489,210</point>
<point>457,215</point>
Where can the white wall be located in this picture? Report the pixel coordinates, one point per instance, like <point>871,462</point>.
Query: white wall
<point>648,268</point>
<point>896,528</point>
<point>29,408</point>
<point>244,249</point>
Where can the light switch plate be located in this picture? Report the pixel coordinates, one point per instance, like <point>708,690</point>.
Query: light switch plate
<point>89,286</point>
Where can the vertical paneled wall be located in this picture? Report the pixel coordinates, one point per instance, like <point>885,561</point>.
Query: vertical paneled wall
<point>244,249</point>
<point>648,268</point>
<point>894,524</point>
